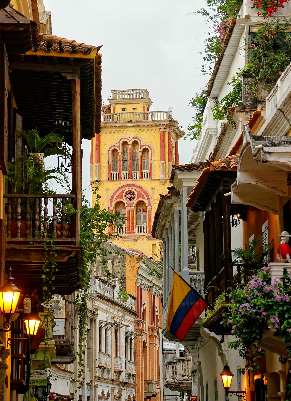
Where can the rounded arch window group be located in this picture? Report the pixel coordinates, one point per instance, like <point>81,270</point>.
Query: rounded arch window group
<point>130,160</point>
<point>134,205</point>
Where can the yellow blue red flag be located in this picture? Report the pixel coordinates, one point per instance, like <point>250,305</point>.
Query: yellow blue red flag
<point>185,306</point>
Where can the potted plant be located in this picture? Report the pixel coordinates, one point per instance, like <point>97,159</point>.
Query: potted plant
<point>248,260</point>
<point>27,175</point>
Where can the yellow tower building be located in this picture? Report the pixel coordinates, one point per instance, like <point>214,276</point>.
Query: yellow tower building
<point>132,159</point>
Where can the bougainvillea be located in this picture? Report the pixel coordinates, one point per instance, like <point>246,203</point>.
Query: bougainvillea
<point>269,7</point>
<point>254,309</point>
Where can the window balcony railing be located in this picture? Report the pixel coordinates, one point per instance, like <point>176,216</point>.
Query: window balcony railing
<point>130,94</point>
<point>141,229</point>
<point>145,174</point>
<point>135,175</point>
<point>150,388</point>
<point>197,280</point>
<point>114,176</point>
<point>125,175</point>
<point>120,230</point>
<point>136,117</point>
<point>178,375</point>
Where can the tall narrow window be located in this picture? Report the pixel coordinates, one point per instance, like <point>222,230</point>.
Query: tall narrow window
<point>106,347</point>
<point>100,337</point>
<point>135,161</point>
<point>114,165</point>
<point>116,338</point>
<point>126,347</point>
<point>141,217</point>
<point>120,208</point>
<point>145,164</point>
<point>125,164</point>
<point>130,349</point>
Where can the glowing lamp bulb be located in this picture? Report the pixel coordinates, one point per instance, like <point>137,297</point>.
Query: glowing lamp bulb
<point>9,296</point>
<point>226,377</point>
<point>32,322</point>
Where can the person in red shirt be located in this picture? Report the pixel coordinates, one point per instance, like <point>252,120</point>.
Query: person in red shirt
<point>284,250</point>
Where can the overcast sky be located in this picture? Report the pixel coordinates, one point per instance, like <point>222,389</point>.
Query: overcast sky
<point>153,44</point>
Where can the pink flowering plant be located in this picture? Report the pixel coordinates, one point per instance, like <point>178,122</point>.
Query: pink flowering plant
<point>256,308</point>
<point>269,7</point>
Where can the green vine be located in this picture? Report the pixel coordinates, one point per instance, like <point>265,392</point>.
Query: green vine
<point>269,53</point>
<point>198,103</point>
<point>95,223</point>
<point>219,301</point>
<point>49,269</point>
<point>123,295</point>
<point>222,109</point>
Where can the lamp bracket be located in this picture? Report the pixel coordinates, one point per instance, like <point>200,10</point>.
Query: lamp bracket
<point>9,340</point>
<point>239,393</point>
<point>7,326</point>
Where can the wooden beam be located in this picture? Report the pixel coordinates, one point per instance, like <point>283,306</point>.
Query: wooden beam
<point>4,108</point>
<point>77,155</point>
<point>227,240</point>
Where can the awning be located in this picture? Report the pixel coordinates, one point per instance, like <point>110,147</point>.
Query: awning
<point>209,182</point>
<point>263,167</point>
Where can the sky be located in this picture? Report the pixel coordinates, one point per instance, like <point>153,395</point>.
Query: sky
<point>155,44</point>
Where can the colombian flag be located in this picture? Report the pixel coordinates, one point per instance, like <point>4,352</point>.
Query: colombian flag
<point>185,306</point>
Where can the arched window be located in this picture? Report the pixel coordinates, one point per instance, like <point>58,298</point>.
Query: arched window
<point>135,161</point>
<point>125,164</point>
<point>114,164</point>
<point>120,208</point>
<point>141,218</point>
<point>146,164</point>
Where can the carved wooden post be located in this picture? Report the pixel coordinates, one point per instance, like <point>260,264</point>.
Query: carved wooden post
<point>54,217</point>
<point>45,214</point>
<point>27,219</point>
<point>77,156</point>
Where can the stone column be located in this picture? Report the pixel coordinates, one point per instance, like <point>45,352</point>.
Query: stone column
<point>184,236</point>
<point>167,265</point>
<point>162,157</point>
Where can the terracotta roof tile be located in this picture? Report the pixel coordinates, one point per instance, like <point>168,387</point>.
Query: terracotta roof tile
<point>227,164</point>
<point>49,43</point>
<point>199,166</point>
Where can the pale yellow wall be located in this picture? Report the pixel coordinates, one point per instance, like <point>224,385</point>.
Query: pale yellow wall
<point>23,6</point>
<point>154,187</point>
<point>132,107</point>
<point>132,266</point>
<point>148,131</point>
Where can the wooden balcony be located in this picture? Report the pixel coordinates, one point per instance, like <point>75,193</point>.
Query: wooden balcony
<point>179,374</point>
<point>150,388</point>
<point>36,222</point>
